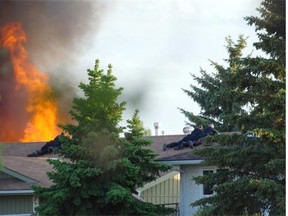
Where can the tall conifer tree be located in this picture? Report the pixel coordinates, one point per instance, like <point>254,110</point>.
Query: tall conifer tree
<point>219,97</point>
<point>247,95</point>
<point>99,171</point>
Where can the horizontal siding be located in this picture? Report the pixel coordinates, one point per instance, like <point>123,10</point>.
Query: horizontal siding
<point>16,205</point>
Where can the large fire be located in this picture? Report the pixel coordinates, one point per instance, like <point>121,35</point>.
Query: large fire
<point>40,109</point>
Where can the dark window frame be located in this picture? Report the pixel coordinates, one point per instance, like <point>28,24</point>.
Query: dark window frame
<point>207,188</point>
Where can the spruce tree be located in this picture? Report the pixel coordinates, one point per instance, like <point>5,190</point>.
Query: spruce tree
<point>97,173</point>
<point>220,99</point>
<point>139,167</point>
<point>140,156</point>
<point>250,96</point>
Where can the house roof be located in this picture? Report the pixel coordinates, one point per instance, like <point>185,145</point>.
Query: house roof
<point>32,170</point>
<point>21,149</point>
<point>170,154</point>
<point>13,184</point>
<point>23,171</point>
<point>176,157</point>
<point>29,169</point>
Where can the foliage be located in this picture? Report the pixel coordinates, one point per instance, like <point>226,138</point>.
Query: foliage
<point>142,167</point>
<point>223,139</point>
<point>219,97</point>
<point>99,170</point>
<point>248,95</point>
<point>140,156</point>
<point>249,179</point>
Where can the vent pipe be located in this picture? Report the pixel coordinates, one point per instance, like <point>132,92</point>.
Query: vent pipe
<point>156,126</point>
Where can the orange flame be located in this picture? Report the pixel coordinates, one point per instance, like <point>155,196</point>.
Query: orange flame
<point>40,106</point>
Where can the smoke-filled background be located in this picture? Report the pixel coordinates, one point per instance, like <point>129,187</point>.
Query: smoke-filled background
<point>55,32</point>
<point>152,45</point>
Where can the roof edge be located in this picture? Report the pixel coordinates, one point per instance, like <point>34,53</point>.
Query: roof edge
<point>16,192</point>
<point>18,175</point>
<point>181,162</point>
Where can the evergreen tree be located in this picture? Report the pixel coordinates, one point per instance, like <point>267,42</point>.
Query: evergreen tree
<point>141,157</point>
<point>98,174</point>
<point>140,166</point>
<point>219,97</point>
<point>248,95</point>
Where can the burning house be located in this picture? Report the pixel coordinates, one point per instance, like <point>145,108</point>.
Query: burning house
<point>28,111</point>
<point>38,40</point>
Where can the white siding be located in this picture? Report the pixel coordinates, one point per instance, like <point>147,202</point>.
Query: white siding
<point>190,191</point>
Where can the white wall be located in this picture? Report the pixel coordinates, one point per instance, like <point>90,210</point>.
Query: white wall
<point>189,190</point>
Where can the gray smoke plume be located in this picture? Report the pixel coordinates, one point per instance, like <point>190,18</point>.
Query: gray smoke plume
<point>55,33</point>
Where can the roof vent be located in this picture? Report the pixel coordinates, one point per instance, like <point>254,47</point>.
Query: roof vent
<point>156,126</point>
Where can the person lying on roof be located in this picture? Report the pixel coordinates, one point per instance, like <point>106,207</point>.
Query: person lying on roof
<point>47,148</point>
<point>192,139</point>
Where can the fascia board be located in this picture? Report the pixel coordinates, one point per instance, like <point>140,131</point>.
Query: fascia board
<point>18,175</point>
<point>181,162</point>
<point>16,192</point>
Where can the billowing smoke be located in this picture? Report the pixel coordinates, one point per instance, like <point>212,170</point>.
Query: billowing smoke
<point>55,33</point>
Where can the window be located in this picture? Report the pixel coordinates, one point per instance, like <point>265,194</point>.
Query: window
<point>207,188</point>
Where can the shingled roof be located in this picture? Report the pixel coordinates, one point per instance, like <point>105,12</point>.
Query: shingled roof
<point>170,154</point>
<point>32,170</point>
<point>184,156</point>
<point>22,171</point>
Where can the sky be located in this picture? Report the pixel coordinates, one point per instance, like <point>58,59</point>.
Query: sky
<point>155,46</point>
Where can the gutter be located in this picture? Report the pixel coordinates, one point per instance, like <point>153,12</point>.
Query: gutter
<point>181,162</point>
<point>16,192</point>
